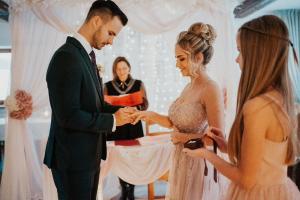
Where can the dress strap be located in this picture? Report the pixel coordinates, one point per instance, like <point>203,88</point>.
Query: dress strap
<point>278,103</point>
<point>280,113</point>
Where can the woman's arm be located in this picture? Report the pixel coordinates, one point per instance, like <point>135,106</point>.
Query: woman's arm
<point>214,107</point>
<point>152,117</point>
<point>255,127</point>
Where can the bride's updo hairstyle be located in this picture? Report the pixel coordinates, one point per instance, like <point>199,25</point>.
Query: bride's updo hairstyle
<point>198,39</point>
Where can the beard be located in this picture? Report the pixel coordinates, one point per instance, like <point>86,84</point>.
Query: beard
<point>97,42</point>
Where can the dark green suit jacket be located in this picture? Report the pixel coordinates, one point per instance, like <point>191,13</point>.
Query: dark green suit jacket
<point>80,117</point>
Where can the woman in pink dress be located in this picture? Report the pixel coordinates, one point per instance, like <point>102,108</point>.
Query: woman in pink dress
<point>191,113</point>
<point>260,145</point>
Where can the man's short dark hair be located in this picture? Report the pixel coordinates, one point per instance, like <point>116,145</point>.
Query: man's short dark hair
<point>106,8</point>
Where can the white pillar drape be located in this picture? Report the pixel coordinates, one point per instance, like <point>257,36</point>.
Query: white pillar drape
<point>31,52</point>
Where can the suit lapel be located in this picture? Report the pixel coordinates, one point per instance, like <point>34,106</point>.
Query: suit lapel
<point>90,66</point>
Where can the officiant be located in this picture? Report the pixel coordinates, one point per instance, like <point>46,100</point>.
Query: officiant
<point>123,90</point>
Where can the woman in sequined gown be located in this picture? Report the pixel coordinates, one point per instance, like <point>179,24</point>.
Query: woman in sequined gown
<point>199,105</point>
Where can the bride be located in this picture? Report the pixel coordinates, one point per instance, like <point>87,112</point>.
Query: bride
<point>200,105</point>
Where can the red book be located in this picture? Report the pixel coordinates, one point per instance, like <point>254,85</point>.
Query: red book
<point>127,142</point>
<point>132,99</point>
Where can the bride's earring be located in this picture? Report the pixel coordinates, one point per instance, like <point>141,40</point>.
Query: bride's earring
<point>202,67</point>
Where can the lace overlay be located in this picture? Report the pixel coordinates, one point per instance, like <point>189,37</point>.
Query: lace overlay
<point>186,178</point>
<point>188,117</point>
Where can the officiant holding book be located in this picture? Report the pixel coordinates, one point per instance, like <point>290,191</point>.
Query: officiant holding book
<point>123,90</point>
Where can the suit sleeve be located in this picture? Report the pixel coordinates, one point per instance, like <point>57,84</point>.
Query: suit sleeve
<point>108,108</point>
<point>64,78</point>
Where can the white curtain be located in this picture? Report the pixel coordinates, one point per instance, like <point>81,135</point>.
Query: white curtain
<point>292,20</point>
<point>40,27</point>
<point>31,51</point>
<point>156,16</point>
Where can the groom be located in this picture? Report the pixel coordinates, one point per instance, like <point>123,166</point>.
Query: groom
<point>80,117</point>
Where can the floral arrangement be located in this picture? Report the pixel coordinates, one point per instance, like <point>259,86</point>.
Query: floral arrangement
<point>100,69</point>
<point>20,105</point>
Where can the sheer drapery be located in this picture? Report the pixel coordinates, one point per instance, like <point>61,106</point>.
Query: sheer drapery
<point>31,51</point>
<point>156,16</point>
<point>292,20</point>
<point>40,27</point>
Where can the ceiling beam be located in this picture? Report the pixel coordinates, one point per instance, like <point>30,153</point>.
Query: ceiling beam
<point>4,13</point>
<point>247,7</point>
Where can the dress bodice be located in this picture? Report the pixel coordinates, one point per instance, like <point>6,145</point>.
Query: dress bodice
<point>188,117</point>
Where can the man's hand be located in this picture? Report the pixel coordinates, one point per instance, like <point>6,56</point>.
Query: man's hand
<point>123,115</point>
<point>130,110</point>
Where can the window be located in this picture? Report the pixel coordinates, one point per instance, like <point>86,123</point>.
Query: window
<point>5,62</point>
<point>5,68</point>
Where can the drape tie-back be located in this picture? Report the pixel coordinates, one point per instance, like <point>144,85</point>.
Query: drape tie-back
<point>19,105</point>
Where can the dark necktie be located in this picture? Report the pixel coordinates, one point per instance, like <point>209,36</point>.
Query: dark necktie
<point>95,69</point>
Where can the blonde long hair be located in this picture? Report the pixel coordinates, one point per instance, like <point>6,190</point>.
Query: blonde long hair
<point>264,48</point>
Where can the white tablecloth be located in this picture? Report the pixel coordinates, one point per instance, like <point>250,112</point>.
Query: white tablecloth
<point>138,165</point>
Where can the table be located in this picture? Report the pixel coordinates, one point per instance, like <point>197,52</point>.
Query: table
<point>138,165</point>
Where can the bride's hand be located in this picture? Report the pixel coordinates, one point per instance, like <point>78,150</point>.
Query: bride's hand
<point>176,137</point>
<point>143,115</point>
<point>201,152</point>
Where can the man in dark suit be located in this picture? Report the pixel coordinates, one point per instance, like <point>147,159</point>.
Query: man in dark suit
<point>80,117</point>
